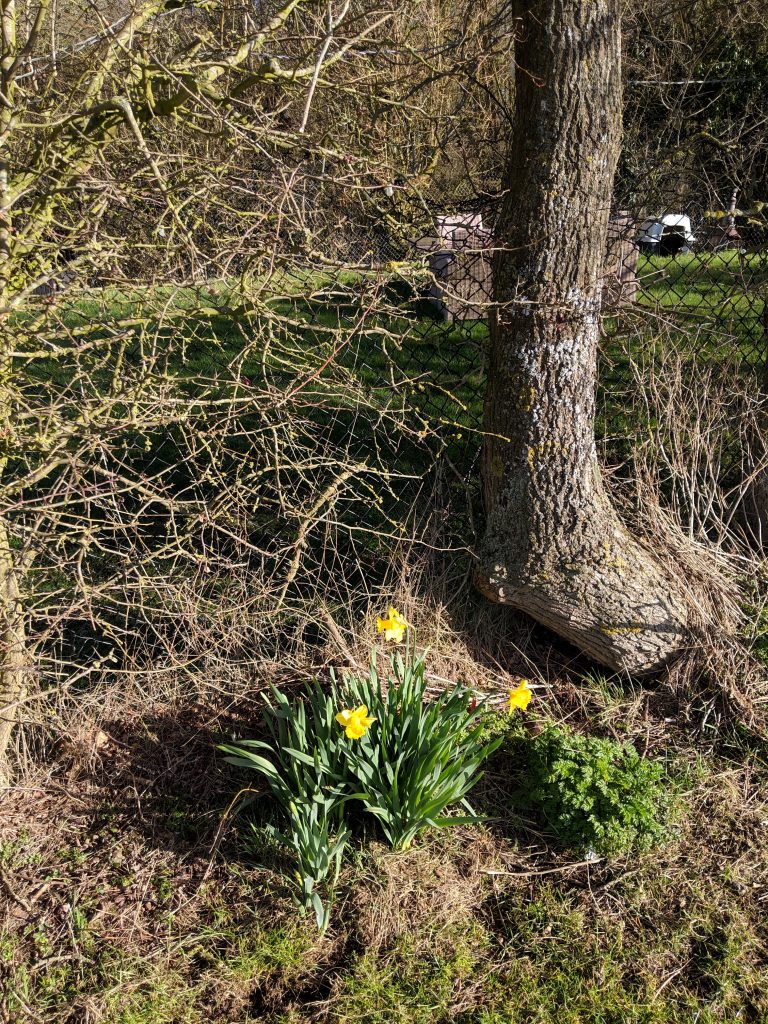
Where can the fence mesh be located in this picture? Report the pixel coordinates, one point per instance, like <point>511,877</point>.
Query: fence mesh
<point>701,283</point>
<point>683,286</point>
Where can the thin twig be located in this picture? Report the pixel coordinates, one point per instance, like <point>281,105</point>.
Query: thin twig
<point>546,871</point>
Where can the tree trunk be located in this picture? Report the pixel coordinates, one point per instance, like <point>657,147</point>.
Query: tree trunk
<point>13,652</point>
<point>554,546</point>
<point>13,671</point>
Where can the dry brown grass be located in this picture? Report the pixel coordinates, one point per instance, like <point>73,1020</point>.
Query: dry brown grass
<point>693,449</point>
<point>129,896</point>
<point>402,891</point>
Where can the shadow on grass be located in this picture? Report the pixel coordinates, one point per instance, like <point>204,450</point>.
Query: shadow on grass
<point>160,774</point>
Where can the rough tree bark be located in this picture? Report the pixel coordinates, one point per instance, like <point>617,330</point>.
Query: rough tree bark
<point>554,546</point>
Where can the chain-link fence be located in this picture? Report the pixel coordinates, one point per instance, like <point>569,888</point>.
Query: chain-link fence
<point>701,281</point>
<point>680,286</point>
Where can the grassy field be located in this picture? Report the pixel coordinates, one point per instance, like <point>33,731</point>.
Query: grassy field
<point>129,894</point>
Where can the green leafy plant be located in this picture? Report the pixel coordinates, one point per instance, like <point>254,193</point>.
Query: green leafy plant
<point>305,767</point>
<point>422,756</point>
<point>595,794</point>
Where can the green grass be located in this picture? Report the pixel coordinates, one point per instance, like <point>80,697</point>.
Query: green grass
<point>412,982</point>
<point>704,281</point>
<point>430,370</point>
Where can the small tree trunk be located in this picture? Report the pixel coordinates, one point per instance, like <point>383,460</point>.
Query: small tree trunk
<point>13,669</point>
<point>13,652</point>
<point>554,546</point>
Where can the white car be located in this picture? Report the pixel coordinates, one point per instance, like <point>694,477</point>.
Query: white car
<point>666,235</point>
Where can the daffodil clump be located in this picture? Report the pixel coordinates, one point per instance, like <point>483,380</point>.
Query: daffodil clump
<point>374,741</point>
<point>304,764</point>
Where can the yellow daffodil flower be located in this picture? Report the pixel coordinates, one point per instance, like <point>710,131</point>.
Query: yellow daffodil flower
<point>356,722</point>
<point>393,627</point>
<point>520,697</point>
